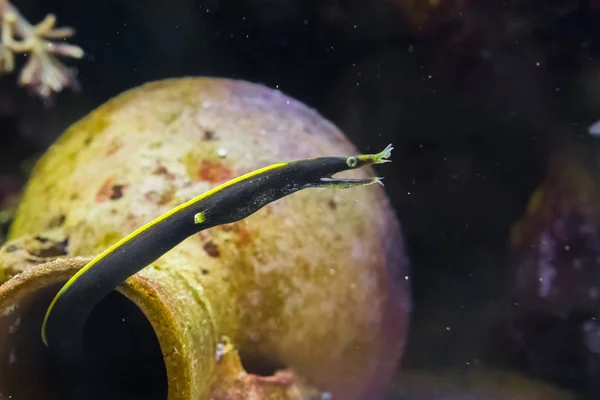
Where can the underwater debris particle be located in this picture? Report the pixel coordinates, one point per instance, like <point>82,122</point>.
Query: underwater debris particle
<point>10,309</point>
<point>219,352</point>
<point>212,249</point>
<point>591,332</point>
<point>254,336</point>
<point>12,356</point>
<point>223,347</point>
<point>204,271</point>
<point>214,171</point>
<point>594,129</point>
<point>14,326</point>
<point>222,152</point>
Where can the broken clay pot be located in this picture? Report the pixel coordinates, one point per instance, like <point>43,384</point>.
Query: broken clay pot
<point>311,289</point>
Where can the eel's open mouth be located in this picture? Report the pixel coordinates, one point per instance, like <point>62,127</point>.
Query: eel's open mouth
<point>357,162</point>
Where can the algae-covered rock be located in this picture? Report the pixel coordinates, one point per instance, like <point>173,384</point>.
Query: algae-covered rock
<point>314,283</point>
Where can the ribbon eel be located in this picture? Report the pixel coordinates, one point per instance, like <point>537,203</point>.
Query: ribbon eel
<point>62,329</point>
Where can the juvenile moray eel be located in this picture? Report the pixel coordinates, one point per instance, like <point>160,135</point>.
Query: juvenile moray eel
<point>62,329</point>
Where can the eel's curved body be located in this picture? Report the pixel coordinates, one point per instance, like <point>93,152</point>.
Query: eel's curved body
<point>232,201</point>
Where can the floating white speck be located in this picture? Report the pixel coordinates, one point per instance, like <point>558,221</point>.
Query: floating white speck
<point>591,331</point>
<point>546,271</point>
<point>222,152</point>
<point>594,129</point>
<point>14,326</point>
<point>219,352</point>
<point>12,357</point>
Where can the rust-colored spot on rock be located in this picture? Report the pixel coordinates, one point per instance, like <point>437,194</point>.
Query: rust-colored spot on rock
<point>162,170</point>
<point>110,191</point>
<point>228,227</point>
<point>244,236</point>
<point>105,191</point>
<point>203,236</point>
<point>212,249</point>
<point>114,146</point>
<point>214,171</point>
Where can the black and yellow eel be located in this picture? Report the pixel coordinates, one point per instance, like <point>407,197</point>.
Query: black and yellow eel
<point>62,329</point>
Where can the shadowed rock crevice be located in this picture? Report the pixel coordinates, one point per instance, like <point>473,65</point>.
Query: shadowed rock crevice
<point>123,357</point>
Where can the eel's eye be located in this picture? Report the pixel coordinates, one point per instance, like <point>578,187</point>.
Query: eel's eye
<point>352,162</point>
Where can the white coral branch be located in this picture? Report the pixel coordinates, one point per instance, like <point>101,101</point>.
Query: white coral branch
<point>43,71</point>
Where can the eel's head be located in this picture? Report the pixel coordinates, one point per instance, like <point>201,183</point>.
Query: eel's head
<point>334,165</point>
